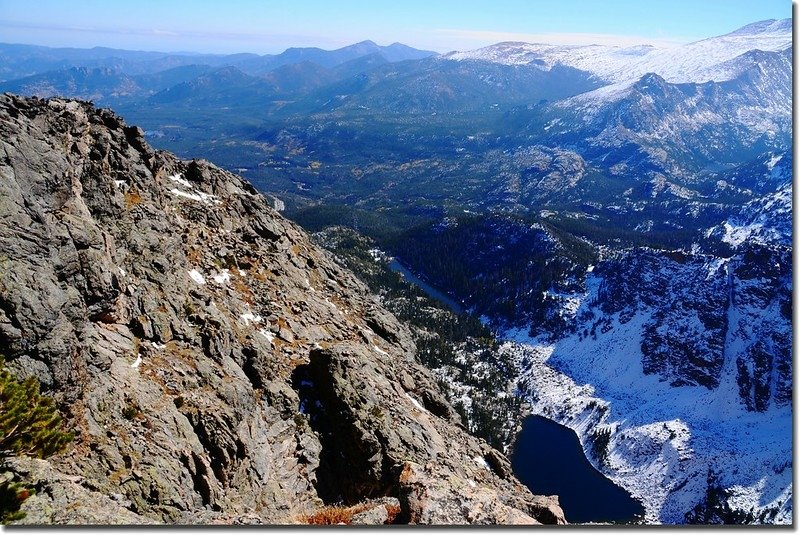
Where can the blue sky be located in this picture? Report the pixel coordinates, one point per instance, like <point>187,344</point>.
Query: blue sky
<point>265,26</point>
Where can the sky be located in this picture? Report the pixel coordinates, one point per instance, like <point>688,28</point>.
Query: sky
<point>270,26</point>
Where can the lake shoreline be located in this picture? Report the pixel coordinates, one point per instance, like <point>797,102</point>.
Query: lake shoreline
<point>585,494</point>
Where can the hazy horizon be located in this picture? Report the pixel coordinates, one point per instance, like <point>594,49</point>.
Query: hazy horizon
<point>248,26</point>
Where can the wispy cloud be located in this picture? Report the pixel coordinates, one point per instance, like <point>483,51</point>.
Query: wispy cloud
<point>485,37</point>
<point>137,31</point>
<point>237,40</point>
<point>157,31</point>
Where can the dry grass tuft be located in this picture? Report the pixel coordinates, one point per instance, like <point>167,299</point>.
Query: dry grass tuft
<point>393,511</point>
<point>132,198</point>
<point>334,514</point>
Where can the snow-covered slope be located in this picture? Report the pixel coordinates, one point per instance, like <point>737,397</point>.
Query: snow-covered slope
<point>606,62</point>
<point>766,219</point>
<point>669,455</point>
<point>700,61</point>
<point>685,361</point>
<point>760,72</point>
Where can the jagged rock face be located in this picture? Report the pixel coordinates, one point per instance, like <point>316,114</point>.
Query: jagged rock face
<point>65,499</point>
<point>215,365</point>
<point>703,310</point>
<point>684,340</point>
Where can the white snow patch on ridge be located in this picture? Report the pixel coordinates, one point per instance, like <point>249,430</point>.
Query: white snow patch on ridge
<point>222,278</point>
<point>416,403</point>
<point>197,277</point>
<point>774,160</point>
<point>180,180</point>
<point>192,194</point>
<point>206,198</point>
<point>267,334</point>
<point>480,461</point>
<point>249,317</point>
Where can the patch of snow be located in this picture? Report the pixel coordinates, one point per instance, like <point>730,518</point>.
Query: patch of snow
<point>480,461</point>
<point>200,196</point>
<point>197,277</point>
<point>137,361</point>
<point>267,334</point>
<point>249,317</point>
<point>377,255</point>
<point>180,180</point>
<point>222,278</point>
<point>774,160</point>
<point>416,403</point>
<point>766,219</point>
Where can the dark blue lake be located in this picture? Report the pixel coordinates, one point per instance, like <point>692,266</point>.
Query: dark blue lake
<point>548,458</point>
<point>397,267</point>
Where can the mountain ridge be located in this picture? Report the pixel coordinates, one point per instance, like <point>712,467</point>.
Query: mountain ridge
<point>691,62</point>
<point>541,197</point>
<point>214,364</point>
<point>20,60</point>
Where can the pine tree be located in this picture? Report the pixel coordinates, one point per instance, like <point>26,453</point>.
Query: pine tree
<point>29,425</point>
<point>11,497</point>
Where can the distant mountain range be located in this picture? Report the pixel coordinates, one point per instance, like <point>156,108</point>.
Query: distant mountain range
<point>20,61</point>
<point>114,77</point>
<point>624,213</point>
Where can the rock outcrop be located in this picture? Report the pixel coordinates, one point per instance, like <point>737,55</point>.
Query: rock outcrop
<point>215,365</point>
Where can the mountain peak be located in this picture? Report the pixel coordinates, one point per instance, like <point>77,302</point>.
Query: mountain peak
<point>693,62</point>
<point>769,26</point>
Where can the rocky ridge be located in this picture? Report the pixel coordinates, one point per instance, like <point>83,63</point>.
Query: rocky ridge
<point>216,366</point>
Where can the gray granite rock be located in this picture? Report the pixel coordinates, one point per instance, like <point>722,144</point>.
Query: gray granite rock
<point>216,366</point>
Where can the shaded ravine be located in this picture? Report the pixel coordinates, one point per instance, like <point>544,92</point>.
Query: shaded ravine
<point>585,494</point>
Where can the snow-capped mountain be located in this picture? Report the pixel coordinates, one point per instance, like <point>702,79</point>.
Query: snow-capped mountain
<point>676,374</point>
<point>766,75</point>
<point>601,60</point>
<point>704,124</point>
<point>700,61</point>
<point>676,111</point>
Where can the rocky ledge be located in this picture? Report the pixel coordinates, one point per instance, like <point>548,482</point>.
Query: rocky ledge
<point>215,365</point>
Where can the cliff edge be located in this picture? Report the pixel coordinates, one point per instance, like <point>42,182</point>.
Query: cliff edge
<point>215,365</point>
